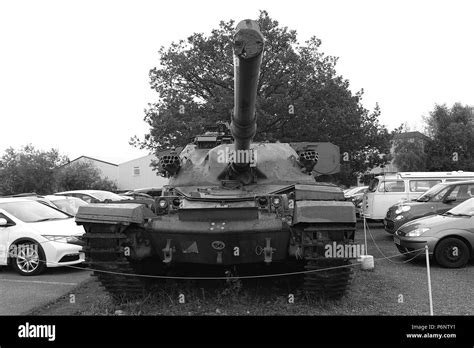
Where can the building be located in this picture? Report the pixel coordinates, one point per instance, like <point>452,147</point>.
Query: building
<point>138,173</point>
<point>129,175</point>
<point>410,137</point>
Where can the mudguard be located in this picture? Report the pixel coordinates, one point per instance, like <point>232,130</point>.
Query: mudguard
<point>109,213</point>
<point>318,192</point>
<point>324,212</point>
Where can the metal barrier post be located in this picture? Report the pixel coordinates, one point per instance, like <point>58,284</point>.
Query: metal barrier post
<point>429,278</point>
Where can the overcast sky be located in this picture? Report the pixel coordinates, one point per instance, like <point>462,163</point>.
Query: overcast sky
<point>74,74</point>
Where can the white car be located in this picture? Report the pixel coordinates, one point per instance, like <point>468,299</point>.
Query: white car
<point>34,236</point>
<point>92,196</point>
<point>66,203</point>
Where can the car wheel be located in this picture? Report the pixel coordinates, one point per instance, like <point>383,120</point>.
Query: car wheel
<point>29,259</point>
<point>452,253</point>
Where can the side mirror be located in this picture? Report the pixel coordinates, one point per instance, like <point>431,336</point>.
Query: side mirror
<point>449,199</point>
<point>3,222</point>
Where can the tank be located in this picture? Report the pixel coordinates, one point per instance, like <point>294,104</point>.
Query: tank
<point>231,203</point>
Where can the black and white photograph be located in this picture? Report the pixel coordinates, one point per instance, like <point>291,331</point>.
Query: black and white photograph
<point>197,170</point>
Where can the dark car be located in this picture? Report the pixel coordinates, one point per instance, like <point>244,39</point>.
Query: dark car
<point>449,237</point>
<point>437,200</point>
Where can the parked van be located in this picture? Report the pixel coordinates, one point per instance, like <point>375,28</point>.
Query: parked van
<point>387,190</point>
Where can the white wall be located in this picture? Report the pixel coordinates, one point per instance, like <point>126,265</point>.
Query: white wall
<point>137,173</point>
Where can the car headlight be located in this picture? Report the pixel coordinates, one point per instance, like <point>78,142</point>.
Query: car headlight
<point>416,233</point>
<point>62,239</point>
<point>402,209</point>
<point>399,217</point>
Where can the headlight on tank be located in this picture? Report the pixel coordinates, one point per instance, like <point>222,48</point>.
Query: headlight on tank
<point>276,201</point>
<point>402,209</point>
<point>163,203</point>
<point>262,202</point>
<point>176,202</point>
<point>399,217</point>
<point>416,233</point>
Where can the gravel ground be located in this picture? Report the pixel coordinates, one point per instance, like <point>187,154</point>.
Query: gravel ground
<point>394,287</point>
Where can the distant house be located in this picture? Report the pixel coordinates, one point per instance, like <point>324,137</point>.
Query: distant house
<point>129,175</point>
<point>138,173</point>
<point>411,137</point>
<point>107,170</point>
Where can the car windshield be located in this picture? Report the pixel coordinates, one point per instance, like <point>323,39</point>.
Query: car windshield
<point>31,211</point>
<point>435,190</point>
<point>349,192</point>
<point>464,209</point>
<point>356,191</point>
<point>373,185</point>
<point>103,195</point>
<point>69,205</point>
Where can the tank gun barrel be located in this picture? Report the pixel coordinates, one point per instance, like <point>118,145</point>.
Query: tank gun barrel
<point>248,49</point>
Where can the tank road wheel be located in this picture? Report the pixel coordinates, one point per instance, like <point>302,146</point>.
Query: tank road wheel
<point>328,284</point>
<point>105,253</point>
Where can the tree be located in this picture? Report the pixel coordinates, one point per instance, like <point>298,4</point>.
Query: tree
<point>409,153</point>
<point>29,170</point>
<point>452,133</point>
<point>300,96</point>
<point>82,176</point>
<point>409,156</point>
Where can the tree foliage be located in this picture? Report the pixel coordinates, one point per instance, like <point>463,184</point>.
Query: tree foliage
<point>410,156</point>
<point>82,176</point>
<point>44,172</point>
<point>300,95</point>
<point>29,170</point>
<point>452,134</point>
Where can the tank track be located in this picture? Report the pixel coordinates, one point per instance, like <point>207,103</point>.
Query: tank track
<point>329,284</point>
<point>105,251</point>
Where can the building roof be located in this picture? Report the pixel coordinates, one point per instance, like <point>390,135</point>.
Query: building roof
<point>92,159</point>
<point>410,135</point>
<point>139,158</point>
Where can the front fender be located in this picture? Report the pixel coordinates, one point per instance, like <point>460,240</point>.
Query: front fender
<point>109,213</point>
<point>457,233</point>
<point>324,212</point>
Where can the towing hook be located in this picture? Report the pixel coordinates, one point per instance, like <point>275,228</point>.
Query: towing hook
<point>168,252</point>
<point>299,253</point>
<point>219,257</point>
<point>268,251</point>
